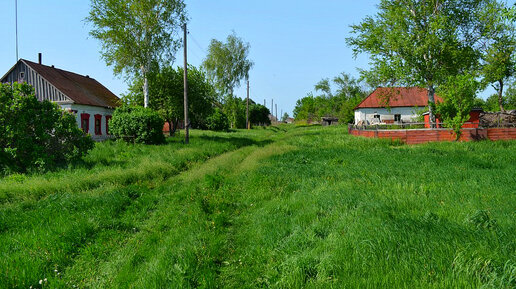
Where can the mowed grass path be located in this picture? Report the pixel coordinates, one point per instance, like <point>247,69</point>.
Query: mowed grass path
<point>282,207</point>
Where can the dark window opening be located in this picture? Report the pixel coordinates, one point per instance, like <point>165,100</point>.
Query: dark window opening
<point>397,117</point>
<point>108,117</point>
<point>98,122</point>
<point>85,122</point>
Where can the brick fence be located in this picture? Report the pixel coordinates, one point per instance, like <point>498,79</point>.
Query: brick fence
<point>416,136</point>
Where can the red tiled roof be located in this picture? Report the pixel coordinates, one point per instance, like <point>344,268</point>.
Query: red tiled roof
<point>81,89</point>
<point>396,97</point>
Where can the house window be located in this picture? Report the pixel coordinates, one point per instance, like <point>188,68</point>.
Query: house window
<point>85,122</point>
<point>108,118</point>
<point>98,123</point>
<point>377,116</point>
<point>397,117</point>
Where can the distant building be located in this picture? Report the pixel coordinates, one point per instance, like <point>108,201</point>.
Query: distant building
<point>90,102</point>
<point>392,105</point>
<point>329,120</point>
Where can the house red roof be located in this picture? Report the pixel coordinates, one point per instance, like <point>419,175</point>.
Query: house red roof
<point>81,89</point>
<point>397,97</point>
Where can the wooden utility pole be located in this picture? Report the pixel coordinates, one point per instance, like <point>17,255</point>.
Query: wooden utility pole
<point>16,17</point>
<point>187,123</point>
<point>247,109</point>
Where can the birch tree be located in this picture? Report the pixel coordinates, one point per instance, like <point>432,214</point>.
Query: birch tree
<point>135,34</point>
<point>227,65</point>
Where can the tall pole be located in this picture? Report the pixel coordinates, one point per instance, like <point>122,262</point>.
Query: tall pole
<point>247,109</point>
<point>16,17</point>
<point>265,102</point>
<point>276,111</point>
<point>272,108</point>
<point>187,123</point>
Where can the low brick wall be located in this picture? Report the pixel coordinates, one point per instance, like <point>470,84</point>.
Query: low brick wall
<point>416,136</point>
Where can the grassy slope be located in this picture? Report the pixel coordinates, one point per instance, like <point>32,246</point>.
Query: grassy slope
<point>309,207</point>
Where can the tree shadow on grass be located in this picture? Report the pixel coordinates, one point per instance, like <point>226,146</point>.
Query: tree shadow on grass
<point>236,141</point>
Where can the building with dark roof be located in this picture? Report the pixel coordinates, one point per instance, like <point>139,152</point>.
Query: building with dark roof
<point>90,101</point>
<point>393,105</point>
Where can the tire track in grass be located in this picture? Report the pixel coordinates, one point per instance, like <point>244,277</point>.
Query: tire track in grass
<point>175,244</point>
<point>100,241</point>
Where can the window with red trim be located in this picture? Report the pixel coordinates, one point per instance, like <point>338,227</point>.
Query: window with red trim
<point>98,122</point>
<point>85,122</point>
<point>108,117</point>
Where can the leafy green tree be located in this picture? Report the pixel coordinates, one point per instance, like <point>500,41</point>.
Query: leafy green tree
<point>259,114</point>
<point>510,96</point>
<point>338,99</point>
<point>510,13</point>
<point>324,86</point>
<point>419,42</point>
<point>167,90</point>
<point>36,134</point>
<point>284,117</point>
<point>305,108</point>
<point>135,34</point>
<point>459,94</point>
<point>499,49</point>
<point>508,100</point>
<point>227,65</point>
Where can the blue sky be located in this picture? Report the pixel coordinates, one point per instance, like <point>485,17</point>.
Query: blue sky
<point>294,43</point>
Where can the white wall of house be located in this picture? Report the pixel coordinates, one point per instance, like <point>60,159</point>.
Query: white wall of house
<point>408,114</point>
<point>92,111</point>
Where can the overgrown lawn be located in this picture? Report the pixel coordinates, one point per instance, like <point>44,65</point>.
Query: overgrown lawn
<point>286,207</point>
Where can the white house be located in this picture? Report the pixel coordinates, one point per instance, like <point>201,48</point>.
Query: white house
<point>90,102</point>
<point>392,105</point>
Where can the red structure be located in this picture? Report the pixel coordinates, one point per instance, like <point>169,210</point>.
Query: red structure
<point>473,121</point>
<point>166,127</point>
<point>417,136</point>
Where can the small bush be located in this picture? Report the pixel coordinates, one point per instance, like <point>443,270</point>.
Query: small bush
<point>137,124</point>
<point>34,134</point>
<point>217,121</point>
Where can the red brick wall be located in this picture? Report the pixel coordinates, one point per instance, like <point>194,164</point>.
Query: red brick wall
<point>416,136</point>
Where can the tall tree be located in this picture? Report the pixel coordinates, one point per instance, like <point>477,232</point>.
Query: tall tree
<point>227,65</point>
<point>419,42</point>
<point>324,86</point>
<point>166,87</point>
<point>258,114</point>
<point>338,99</point>
<point>499,49</point>
<point>137,33</point>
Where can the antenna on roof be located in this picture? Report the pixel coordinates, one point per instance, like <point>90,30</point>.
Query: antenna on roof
<point>16,17</point>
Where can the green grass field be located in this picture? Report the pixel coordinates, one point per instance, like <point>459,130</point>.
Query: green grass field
<point>283,207</point>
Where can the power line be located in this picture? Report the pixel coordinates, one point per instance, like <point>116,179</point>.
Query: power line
<point>197,43</point>
<point>16,17</point>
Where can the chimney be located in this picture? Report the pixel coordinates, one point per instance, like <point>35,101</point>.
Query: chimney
<point>39,58</point>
